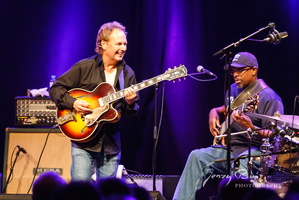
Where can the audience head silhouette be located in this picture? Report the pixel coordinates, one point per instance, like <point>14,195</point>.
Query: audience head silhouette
<point>78,190</point>
<point>233,188</point>
<point>46,184</point>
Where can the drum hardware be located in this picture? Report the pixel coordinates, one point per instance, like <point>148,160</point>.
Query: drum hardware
<point>250,133</point>
<point>268,157</point>
<point>284,133</point>
<point>291,139</point>
<point>277,130</point>
<point>260,155</point>
<point>265,148</point>
<point>285,154</point>
<point>238,133</point>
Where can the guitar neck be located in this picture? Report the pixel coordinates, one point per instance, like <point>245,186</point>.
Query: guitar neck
<point>170,74</point>
<point>139,86</point>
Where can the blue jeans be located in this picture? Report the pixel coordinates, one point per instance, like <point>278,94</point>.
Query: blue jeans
<point>201,166</point>
<point>86,163</point>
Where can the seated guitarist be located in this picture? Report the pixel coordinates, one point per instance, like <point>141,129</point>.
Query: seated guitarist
<point>201,162</point>
<point>102,151</point>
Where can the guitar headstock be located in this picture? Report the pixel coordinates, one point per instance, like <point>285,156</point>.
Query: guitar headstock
<point>176,72</point>
<point>250,105</point>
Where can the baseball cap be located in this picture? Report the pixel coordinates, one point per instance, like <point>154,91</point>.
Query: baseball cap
<point>243,59</point>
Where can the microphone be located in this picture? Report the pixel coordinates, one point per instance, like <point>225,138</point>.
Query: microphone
<point>22,149</point>
<point>274,37</point>
<point>204,71</point>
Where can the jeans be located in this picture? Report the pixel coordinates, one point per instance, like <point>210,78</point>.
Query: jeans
<point>200,167</point>
<point>86,163</point>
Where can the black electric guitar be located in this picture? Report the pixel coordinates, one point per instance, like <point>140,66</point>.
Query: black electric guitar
<point>81,128</point>
<point>249,106</point>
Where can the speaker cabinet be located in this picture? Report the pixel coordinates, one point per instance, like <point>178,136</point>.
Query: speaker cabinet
<point>56,156</point>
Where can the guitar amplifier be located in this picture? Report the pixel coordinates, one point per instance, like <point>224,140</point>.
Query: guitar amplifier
<point>165,184</point>
<point>144,180</point>
<point>34,111</point>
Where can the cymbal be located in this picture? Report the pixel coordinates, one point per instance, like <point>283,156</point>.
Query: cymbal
<point>292,120</point>
<point>265,117</point>
<point>282,119</point>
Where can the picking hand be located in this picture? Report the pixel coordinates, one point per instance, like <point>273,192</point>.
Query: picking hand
<point>82,107</point>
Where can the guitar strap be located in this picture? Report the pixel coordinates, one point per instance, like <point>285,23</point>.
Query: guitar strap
<point>121,79</point>
<point>248,92</point>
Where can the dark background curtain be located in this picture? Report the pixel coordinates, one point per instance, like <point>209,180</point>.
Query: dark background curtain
<point>43,38</point>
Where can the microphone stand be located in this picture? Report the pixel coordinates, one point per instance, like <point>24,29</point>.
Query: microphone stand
<point>235,44</point>
<point>227,51</point>
<point>11,171</point>
<point>227,87</point>
<point>155,137</point>
<point>249,162</point>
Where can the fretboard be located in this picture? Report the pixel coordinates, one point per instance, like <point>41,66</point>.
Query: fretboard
<point>139,86</point>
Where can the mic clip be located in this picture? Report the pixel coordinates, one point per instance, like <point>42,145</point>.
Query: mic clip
<point>274,37</point>
<point>22,149</point>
